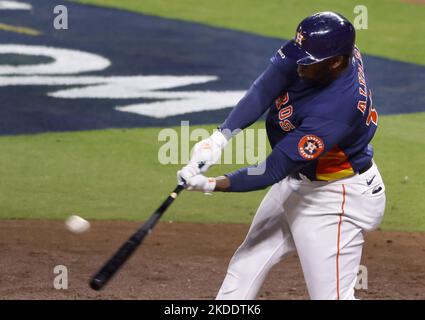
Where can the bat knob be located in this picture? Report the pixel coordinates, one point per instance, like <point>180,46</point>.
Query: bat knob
<point>96,284</point>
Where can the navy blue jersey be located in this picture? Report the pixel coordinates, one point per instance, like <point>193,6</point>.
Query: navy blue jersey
<point>322,132</point>
<point>328,127</point>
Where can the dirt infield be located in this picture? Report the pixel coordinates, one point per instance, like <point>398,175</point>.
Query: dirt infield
<point>180,261</point>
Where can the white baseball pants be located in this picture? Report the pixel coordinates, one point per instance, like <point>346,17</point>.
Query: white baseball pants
<point>323,221</point>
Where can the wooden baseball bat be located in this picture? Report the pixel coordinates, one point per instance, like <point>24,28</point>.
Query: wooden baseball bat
<point>108,270</point>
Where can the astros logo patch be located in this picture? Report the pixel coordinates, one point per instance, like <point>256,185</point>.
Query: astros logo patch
<point>310,147</point>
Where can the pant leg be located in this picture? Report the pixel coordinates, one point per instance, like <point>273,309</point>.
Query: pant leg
<point>327,223</point>
<point>267,242</point>
<point>330,255</point>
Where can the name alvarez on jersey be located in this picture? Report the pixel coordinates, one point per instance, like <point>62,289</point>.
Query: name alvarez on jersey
<point>322,132</point>
<point>331,127</point>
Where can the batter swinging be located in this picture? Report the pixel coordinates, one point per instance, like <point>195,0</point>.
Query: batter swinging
<point>326,190</point>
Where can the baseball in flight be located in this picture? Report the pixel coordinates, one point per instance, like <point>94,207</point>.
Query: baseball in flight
<point>76,224</point>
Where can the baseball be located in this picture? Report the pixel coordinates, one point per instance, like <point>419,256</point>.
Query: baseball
<point>77,224</point>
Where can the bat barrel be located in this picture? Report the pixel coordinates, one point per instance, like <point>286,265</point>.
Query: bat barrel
<point>126,250</point>
<point>112,266</point>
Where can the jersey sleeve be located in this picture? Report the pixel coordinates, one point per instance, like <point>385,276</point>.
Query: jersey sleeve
<point>276,167</point>
<point>314,137</point>
<point>284,64</point>
<point>269,85</point>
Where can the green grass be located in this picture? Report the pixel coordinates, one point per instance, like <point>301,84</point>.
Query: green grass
<point>111,174</point>
<point>115,174</point>
<point>395,28</point>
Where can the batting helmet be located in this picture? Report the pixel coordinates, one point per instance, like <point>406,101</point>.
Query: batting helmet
<point>321,36</point>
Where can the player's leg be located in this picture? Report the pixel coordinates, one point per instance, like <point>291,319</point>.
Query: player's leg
<point>329,248</point>
<point>327,225</point>
<point>267,242</point>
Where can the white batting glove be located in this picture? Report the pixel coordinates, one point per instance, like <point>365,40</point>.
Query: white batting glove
<point>201,183</point>
<point>187,172</point>
<point>208,151</point>
<point>205,153</point>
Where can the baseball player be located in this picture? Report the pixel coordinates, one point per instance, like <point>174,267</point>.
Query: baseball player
<point>326,189</point>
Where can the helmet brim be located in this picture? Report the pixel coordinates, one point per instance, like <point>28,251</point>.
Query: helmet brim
<point>293,51</point>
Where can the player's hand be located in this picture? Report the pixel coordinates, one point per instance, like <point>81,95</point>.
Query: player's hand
<point>208,151</point>
<point>187,172</point>
<point>205,153</point>
<point>201,183</point>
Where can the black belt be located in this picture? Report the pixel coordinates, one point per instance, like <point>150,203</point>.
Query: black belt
<point>361,171</point>
<point>366,167</point>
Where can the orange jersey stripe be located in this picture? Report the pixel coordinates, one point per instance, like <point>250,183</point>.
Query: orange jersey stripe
<point>338,242</point>
<point>333,165</point>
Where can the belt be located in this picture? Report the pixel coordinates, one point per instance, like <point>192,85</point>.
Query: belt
<point>366,167</point>
<point>361,171</point>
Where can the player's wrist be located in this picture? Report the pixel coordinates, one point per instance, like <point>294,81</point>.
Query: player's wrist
<point>201,183</point>
<point>210,185</point>
<point>222,183</point>
<point>219,139</point>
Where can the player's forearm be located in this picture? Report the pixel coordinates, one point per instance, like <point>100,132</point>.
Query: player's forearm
<point>242,181</point>
<point>276,167</point>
